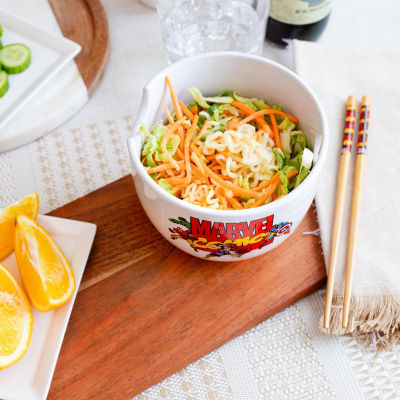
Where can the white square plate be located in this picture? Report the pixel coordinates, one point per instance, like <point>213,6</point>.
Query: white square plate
<point>31,376</point>
<point>49,54</point>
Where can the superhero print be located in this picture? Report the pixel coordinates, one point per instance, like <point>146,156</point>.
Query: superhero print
<point>219,239</point>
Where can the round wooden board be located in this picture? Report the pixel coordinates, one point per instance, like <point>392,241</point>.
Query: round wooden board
<point>85,22</point>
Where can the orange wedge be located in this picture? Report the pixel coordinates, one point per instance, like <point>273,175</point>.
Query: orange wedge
<point>45,271</point>
<point>7,227</point>
<point>15,320</point>
<point>28,206</point>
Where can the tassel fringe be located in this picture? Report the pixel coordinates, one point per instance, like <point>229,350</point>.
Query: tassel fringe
<point>373,320</point>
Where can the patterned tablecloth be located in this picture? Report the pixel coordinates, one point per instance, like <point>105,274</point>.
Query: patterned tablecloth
<point>285,357</point>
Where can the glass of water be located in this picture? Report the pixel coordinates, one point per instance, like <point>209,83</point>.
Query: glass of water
<point>191,27</point>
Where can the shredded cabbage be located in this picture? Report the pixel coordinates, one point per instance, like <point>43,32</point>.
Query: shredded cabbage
<point>166,186</point>
<point>152,146</point>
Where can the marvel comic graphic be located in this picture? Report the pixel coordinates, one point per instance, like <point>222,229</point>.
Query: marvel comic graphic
<point>227,239</point>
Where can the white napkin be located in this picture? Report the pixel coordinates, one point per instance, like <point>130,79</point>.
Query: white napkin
<point>334,73</point>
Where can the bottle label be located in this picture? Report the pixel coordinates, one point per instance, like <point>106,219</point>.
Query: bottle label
<point>299,12</point>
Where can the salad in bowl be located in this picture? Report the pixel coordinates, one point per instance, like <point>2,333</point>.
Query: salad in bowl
<point>226,153</point>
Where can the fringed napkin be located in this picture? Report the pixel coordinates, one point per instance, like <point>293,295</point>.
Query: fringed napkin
<point>334,73</point>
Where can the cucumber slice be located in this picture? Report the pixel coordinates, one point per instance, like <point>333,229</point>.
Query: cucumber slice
<point>15,58</point>
<point>3,83</point>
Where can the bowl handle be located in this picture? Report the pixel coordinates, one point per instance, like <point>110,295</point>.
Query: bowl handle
<point>135,140</point>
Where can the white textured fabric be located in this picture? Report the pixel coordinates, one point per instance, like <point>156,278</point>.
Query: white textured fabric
<point>284,357</point>
<point>334,73</point>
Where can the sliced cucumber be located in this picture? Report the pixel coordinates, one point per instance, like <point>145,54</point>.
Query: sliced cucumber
<point>3,83</point>
<point>15,58</point>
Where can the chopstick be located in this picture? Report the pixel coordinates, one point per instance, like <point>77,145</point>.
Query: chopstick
<point>356,204</point>
<point>342,181</point>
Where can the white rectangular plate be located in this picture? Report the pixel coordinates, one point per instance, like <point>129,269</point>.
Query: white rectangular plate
<point>49,55</point>
<point>31,376</point>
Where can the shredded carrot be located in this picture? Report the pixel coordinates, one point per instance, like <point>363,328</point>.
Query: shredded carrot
<point>188,138</point>
<point>227,113</point>
<point>198,174</point>
<point>236,190</point>
<point>291,174</point>
<point>201,133</point>
<point>249,111</point>
<point>222,201</point>
<point>268,192</point>
<point>181,134</point>
<point>179,153</point>
<point>273,196</point>
<point>232,124</point>
<point>177,180</point>
<point>162,167</point>
<point>186,111</point>
<point>276,131</point>
<point>195,109</point>
<point>224,177</point>
<point>178,111</point>
<point>275,178</point>
<point>174,98</point>
<point>169,116</point>
<point>196,161</point>
<point>235,204</point>
<point>268,111</point>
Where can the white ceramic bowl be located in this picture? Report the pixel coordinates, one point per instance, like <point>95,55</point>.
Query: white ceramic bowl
<point>227,235</point>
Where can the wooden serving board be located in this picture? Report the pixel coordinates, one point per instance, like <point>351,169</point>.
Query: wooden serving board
<point>146,309</point>
<point>85,22</point>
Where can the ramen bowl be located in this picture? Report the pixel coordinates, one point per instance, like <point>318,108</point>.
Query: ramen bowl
<point>229,235</point>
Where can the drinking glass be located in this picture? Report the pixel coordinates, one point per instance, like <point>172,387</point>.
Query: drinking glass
<point>192,27</point>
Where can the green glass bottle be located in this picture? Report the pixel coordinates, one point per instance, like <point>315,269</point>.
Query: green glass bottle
<point>297,19</point>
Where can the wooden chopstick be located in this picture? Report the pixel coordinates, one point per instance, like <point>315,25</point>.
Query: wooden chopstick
<point>356,204</point>
<point>342,180</point>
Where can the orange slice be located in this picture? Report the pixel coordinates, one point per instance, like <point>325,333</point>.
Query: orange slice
<point>7,227</point>
<point>45,271</point>
<point>15,320</point>
<point>28,206</point>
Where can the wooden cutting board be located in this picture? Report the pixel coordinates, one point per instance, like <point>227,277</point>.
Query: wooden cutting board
<point>146,309</point>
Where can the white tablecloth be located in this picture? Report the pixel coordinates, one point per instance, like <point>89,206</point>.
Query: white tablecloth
<point>285,357</point>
